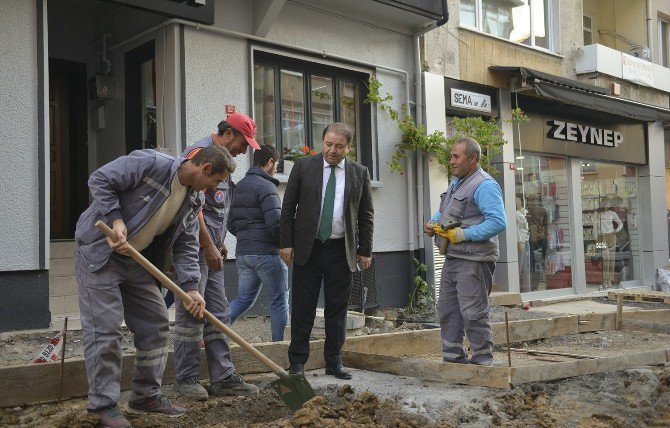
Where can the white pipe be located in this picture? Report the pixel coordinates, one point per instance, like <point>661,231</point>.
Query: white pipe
<point>650,32</point>
<point>419,155</point>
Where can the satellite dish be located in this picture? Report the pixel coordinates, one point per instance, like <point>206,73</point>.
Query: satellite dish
<point>640,51</point>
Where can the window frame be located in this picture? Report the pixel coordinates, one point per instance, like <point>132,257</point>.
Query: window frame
<point>587,29</point>
<point>553,30</point>
<point>663,42</point>
<point>337,72</point>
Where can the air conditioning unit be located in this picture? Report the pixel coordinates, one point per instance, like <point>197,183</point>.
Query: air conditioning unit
<point>640,51</point>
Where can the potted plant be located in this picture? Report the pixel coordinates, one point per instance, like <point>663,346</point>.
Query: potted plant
<point>294,153</point>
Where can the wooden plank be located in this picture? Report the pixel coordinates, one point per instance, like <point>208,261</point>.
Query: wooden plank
<point>545,372</point>
<point>398,343</point>
<point>503,298</point>
<point>536,329</point>
<point>657,315</point>
<point>37,383</point>
<point>596,322</point>
<point>640,296</point>
<point>427,341</point>
<point>468,374</point>
<point>646,326</point>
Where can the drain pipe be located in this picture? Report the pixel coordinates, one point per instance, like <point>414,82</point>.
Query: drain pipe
<point>420,212</point>
<point>650,31</point>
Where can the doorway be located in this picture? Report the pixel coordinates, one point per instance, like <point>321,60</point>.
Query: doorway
<point>68,154</point>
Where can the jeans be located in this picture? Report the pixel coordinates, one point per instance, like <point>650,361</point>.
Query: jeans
<point>254,270</point>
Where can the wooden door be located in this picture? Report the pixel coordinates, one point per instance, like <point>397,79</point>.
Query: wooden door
<point>68,145</point>
<point>59,171</point>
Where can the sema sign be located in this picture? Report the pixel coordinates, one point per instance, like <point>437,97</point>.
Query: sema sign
<point>470,100</point>
<point>584,134</point>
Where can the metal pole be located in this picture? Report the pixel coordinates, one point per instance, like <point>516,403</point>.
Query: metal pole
<point>62,361</point>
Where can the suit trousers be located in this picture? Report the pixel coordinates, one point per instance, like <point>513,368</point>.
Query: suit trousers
<point>327,263</point>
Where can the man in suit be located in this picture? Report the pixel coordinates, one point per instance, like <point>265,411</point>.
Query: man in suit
<point>325,229</point>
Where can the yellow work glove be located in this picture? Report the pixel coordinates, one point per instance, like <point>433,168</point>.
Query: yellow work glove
<point>455,235</point>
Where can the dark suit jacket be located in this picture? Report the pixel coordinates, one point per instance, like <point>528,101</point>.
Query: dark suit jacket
<point>301,209</point>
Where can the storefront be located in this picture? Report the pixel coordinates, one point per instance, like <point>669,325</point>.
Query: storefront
<point>582,181</point>
<point>587,217</point>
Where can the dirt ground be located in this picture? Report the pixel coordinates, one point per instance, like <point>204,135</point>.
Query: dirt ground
<point>637,397</point>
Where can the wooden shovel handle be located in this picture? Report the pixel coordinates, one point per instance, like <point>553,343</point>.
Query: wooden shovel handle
<point>139,258</point>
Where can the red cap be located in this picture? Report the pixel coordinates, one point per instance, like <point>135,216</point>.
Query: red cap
<point>244,124</point>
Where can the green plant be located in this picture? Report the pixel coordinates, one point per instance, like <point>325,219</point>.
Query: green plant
<point>422,297</point>
<point>486,132</point>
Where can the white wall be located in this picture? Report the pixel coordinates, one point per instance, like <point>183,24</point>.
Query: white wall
<point>19,114</point>
<point>217,73</point>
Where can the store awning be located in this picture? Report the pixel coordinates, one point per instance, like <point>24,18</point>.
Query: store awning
<point>584,95</point>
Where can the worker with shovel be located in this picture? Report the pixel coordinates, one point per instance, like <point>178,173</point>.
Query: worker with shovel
<point>152,201</point>
<point>236,134</point>
<point>474,200</point>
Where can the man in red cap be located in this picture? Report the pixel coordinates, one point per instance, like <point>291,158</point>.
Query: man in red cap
<point>235,133</point>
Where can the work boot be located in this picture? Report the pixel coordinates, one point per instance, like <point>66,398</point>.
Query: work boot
<point>111,417</point>
<point>191,388</point>
<point>296,369</point>
<point>158,404</point>
<point>232,385</point>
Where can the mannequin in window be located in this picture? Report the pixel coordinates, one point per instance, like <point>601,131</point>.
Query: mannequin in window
<point>532,186</point>
<point>523,237</point>
<point>538,226</point>
<point>608,224</point>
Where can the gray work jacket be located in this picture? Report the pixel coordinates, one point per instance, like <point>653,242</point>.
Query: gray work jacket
<point>132,188</point>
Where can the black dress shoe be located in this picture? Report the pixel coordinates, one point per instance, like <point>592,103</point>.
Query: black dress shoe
<point>338,371</point>
<point>296,369</point>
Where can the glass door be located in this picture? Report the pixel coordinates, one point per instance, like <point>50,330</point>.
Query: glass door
<point>544,230</point>
<point>610,222</point>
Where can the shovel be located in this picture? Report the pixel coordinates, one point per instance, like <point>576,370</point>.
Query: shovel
<point>294,390</point>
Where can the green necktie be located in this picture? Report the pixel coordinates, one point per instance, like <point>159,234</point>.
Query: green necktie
<point>326,227</point>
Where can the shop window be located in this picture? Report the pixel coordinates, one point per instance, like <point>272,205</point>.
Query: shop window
<point>523,21</point>
<point>610,221</point>
<point>544,230</point>
<point>664,43</point>
<point>295,100</point>
<point>587,27</point>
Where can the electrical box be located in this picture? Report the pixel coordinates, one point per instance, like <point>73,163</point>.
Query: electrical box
<point>101,87</point>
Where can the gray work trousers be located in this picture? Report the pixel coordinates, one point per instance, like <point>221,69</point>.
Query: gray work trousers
<point>121,289</point>
<point>463,307</point>
<point>189,332</point>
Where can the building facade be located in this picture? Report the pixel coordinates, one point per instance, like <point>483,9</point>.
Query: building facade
<point>583,179</point>
<point>87,81</point>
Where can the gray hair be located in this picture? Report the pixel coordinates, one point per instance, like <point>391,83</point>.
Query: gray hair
<point>340,128</point>
<point>472,147</point>
<point>218,156</point>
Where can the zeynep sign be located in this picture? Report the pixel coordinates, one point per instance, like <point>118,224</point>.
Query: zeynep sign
<point>584,134</point>
<point>470,100</point>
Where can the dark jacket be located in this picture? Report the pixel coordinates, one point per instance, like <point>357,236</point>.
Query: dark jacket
<point>132,188</point>
<point>255,213</point>
<point>301,209</point>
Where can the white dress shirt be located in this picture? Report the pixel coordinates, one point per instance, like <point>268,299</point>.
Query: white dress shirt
<point>338,208</point>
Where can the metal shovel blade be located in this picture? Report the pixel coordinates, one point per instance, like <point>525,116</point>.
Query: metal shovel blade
<point>294,390</point>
